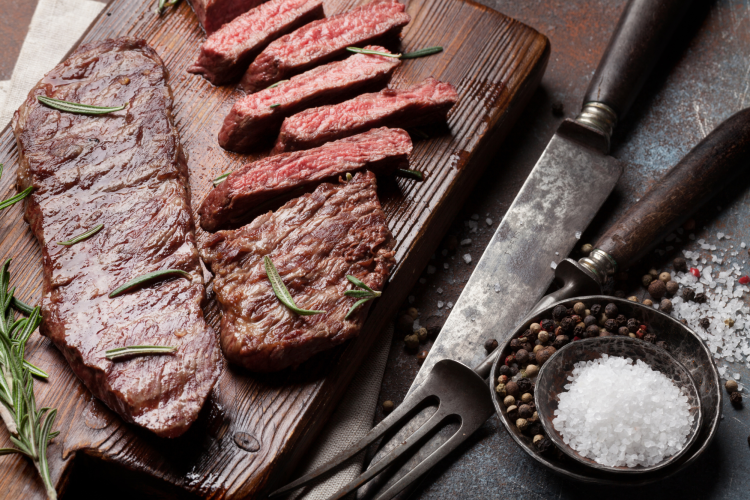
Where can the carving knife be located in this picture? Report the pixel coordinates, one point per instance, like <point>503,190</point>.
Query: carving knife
<point>566,188</point>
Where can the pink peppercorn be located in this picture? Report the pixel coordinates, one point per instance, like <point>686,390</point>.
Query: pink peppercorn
<point>745,280</point>
<point>694,271</point>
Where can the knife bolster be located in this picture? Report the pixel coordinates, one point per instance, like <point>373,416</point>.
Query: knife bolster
<point>592,127</point>
<point>600,264</point>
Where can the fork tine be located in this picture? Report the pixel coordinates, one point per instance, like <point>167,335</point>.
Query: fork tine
<point>413,439</point>
<point>425,465</point>
<point>411,402</point>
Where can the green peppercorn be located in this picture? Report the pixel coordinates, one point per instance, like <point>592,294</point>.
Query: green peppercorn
<point>587,248</point>
<point>500,390</point>
<point>522,424</point>
<point>665,277</point>
<point>526,398</point>
<point>531,370</point>
<point>633,298</point>
<point>538,438</point>
<point>509,400</point>
<point>648,303</point>
<point>412,342</point>
<point>421,335</point>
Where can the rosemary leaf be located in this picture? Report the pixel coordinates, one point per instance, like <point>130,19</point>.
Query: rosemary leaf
<point>281,291</point>
<point>21,306</point>
<point>221,178</point>
<point>274,105</point>
<point>410,174</point>
<point>361,294</point>
<point>274,85</point>
<point>355,307</point>
<point>164,4</point>
<point>422,52</point>
<point>359,283</point>
<point>138,350</point>
<point>348,177</point>
<point>135,282</point>
<point>83,236</point>
<point>75,107</point>
<point>372,52</point>
<point>15,199</point>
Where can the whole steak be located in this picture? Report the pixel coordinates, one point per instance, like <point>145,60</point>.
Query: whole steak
<point>125,170</point>
<point>314,241</point>
<point>253,186</point>
<point>323,40</point>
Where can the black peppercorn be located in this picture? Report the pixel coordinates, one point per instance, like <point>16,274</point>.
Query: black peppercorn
<point>559,312</point>
<point>611,325</point>
<point>504,370</point>
<point>623,330</point>
<point>522,357</point>
<point>525,385</point>
<point>511,388</point>
<point>513,370</point>
<point>688,294</point>
<point>547,325</point>
<point>611,310</point>
<point>491,345</point>
<point>705,322</point>
<point>579,331</point>
<point>633,325</point>
<point>650,338</point>
<point>595,310</point>
<point>663,345</point>
<point>534,429</point>
<point>527,346</point>
<point>515,344</point>
<point>562,340</point>
<point>736,399</point>
<point>590,320</point>
<point>700,298</point>
<point>546,446</point>
<point>680,264</point>
<point>567,325</point>
<point>592,331</point>
<point>622,320</point>
<point>525,411</point>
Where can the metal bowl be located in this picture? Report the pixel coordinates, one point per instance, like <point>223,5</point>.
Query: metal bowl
<point>683,343</point>
<point>555,372</point>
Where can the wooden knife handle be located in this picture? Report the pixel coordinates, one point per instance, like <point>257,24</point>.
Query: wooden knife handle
<point>707,168</point>
<point>643,31</point>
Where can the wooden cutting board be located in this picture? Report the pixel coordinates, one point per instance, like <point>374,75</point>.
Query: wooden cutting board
<point>254,428</point>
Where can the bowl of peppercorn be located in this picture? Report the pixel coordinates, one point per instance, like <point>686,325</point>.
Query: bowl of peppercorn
<point>514,378</point>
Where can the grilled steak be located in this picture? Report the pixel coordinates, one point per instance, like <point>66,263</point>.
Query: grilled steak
<point>227,53</point>
<point>252,119</point>
<point>380,150</point>
<point>323,40</point>
<point>213,14</point>
<point>314,241</point>
<point>125,170</point>
<point>421,104</point>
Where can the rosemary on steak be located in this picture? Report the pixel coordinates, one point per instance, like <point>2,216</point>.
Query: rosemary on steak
<point>428,51</point>
<point>274,85</point>
<point>364,294</point>
<point>16,198</point>
<point>76,107</point>
<point>281,291</point>
<point>163,4</point>
<point>136,282</point>
<point>373,52</point>
<point>410,174</point>
<point>138,350</point>
<point>83,236</point>
<point>221,178</point>
<point>30,428</point>
<point>274,105</point>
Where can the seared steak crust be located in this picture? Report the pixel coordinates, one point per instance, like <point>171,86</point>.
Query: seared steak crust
<point>380,150</point>
<point>422,104</point>
<point>252,119</point>
<point>314,241</point>
<point>213,14</point>
<point>125,170</point>
<point>227,53</point>
<point>321,41</point>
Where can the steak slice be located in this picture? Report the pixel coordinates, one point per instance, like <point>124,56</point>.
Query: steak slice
<point>381,150</point>
<point>314,241</point>
<point>322,41</point>
<point>127,171</point>
<point>421,104</point>
<point>213,14</point>
<point>227,53</point>
<point>252,119</point>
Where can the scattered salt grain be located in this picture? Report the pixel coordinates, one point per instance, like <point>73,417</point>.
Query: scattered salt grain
<point>466,242</point>
<point>622,424</point>
<point>553,265</point>
<point>440,304</point>
<point>488,221</point>
<point>578,235</point>
<point>467,258</point>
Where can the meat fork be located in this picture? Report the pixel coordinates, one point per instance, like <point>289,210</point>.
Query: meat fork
<point>459,391</point>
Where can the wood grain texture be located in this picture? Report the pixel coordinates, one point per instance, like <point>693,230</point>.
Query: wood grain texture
<point>255,428</point>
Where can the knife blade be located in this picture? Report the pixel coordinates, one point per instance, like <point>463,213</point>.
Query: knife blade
<point>549,213</point>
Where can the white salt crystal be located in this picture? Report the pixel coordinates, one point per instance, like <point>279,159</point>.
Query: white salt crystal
<point>578,235</point>
<point>467,258</point>
<point>466,242</point>
<point>439,290</point>
<point>553,265</point>
<point>440,304</point>
<point>488,221</point>
<point>497,288</point>
<point>449,305</point>
<point>445,265</point>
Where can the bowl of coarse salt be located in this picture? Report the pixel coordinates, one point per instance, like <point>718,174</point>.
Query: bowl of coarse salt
<point>618,404</point>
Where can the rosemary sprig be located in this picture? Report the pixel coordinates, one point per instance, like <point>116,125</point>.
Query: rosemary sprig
<point>410,174</point>
<point>30,428</point>
<point>281,291</point>
<point>274,85</point>
<point>76,107</point>
<point>163,4</point>
<point>15,199</point>
<point>221,178</point>
<point>135,282</point>
<point>83,236</point>
<point>276,105</point>
<point>373,52</point>
<point>422,52</point>
<point>138,350</point>
<point>366,293</point>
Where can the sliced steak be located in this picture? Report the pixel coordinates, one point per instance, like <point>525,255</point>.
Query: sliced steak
<point>213,14</point>
<point>314,241</point>
<point>227,53</point>
<point>322,41</point>
<point>125,170</point>
<point>252,119</point>
<point>254,185</point>
<point>422,104</point>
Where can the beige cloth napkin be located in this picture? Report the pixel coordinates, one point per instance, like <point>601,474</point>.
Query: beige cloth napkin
<point>55,27</point>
